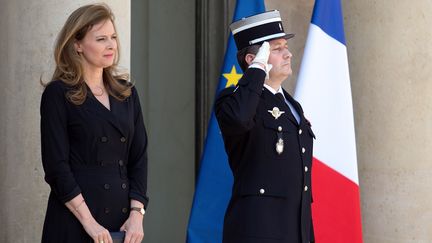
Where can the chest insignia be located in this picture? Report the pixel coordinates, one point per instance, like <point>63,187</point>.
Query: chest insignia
<point>276,113</point>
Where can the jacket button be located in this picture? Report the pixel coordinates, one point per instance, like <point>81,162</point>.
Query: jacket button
<point>279,129</point>
<point>104,139</point>
<point>107,210</point>
<point>306,169</point>
<point>305,188</point>
<point>300,132</point>
<point>107,186</point>
<point>124,185</point>
<point>124,210</point>
<point>122,139</point>
<point>261,191</point>
<point>120,162</point>
<point>303,150</point>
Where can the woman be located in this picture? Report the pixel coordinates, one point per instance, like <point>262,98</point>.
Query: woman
<point>93,137</point>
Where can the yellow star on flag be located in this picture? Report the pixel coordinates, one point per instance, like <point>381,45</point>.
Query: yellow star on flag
<point>233,77</point>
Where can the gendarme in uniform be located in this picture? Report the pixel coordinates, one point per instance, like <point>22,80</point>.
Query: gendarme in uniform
<point>269,146</point>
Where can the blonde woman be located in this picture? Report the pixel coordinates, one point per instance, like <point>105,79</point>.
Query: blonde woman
<point>93,137</point>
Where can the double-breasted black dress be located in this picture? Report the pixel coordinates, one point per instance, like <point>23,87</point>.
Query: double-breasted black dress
<point>91,150</point>
<point>271,195</point>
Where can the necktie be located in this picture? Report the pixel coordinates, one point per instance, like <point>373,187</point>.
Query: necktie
<point>288,112</point>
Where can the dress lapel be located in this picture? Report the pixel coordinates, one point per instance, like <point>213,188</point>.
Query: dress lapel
<point>117,110</point>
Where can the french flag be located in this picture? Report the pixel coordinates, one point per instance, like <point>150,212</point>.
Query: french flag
<point>323,88</point>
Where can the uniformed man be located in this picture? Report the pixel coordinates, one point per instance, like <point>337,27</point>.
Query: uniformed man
<point>268,141</point>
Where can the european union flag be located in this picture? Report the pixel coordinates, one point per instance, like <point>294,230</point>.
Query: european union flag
<point>213,188</point>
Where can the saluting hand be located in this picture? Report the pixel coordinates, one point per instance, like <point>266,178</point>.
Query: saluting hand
<point>262,57</point>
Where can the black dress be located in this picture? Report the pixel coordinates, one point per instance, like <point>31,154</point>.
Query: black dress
<point>91,150</point>
<point>271,196</point>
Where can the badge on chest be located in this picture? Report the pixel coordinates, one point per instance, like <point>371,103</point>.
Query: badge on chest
<point>276,113</point>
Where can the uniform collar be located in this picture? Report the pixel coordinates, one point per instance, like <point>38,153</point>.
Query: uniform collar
<point>279,90</point>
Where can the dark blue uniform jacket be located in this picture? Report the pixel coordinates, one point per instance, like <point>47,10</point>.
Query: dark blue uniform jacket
<point>271,196</point>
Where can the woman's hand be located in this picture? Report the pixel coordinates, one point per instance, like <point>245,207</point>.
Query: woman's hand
<point>98,233</point>
<point>79,208</point>
<point>134,228</point>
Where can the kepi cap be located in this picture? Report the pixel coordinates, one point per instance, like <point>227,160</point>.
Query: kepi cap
<point>255,29</point>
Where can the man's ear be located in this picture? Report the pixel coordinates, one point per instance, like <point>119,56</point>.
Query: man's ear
<point>249,58</point>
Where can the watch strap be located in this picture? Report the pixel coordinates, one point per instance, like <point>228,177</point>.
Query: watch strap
<point>139,210</point>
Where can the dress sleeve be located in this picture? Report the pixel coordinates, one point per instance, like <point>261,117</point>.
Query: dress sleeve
<point>55,143</point>
<point>137,164</point>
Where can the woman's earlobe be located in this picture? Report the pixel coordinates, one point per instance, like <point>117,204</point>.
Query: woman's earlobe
<point>77,47</point>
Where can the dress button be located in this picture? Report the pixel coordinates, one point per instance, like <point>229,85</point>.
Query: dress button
<point>107,186</point>
<point>104,139</point>
<point>279,128</point>
<point>306,169</point>
<point>107,210</point>
<point>300,131</point>
<point>124,210</point>
<point>120,162</point>
<point>124,185</point>
<point>261,191</point>
<point>303,150</point>
<point>305,188</point>
<point>122,139</point>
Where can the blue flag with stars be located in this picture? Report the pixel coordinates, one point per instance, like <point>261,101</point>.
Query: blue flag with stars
<point>214,184</point>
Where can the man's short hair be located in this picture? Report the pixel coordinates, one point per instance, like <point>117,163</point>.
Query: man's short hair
<point>241,55</point>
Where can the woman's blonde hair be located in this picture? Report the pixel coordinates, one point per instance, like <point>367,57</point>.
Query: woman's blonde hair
<point>69,67</point>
